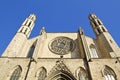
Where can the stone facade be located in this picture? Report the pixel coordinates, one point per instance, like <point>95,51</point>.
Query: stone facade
<point>61,56</point>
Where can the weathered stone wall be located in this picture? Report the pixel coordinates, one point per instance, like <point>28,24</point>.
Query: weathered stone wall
<point>8,65</point>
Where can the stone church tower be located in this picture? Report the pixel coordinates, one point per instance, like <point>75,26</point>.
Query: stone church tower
<point>61,56</point>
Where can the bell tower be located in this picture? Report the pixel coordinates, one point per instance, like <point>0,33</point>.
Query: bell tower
<point>106,43</point>
<point>20,38</point>
<point>27,25</point>
<point>97,25</point>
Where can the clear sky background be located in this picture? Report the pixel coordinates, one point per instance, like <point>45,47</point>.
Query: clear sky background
<point>57,16</point>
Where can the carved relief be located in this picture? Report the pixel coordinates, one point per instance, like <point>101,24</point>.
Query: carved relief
<point>60,72</point>
<point>60,66</point>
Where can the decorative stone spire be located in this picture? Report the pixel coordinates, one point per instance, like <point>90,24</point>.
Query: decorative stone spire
<point>81,32</point>
<point>43,32</point>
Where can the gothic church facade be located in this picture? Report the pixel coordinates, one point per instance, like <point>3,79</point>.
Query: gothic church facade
<point>61,56</point>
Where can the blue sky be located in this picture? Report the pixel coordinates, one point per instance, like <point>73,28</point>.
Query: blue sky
<point>57,16</point>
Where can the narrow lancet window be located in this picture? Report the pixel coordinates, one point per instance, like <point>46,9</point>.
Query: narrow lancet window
<point>93,51</point>
<point>31,51</point>
<point>103,29</point>
<point>99,22</point>
<point>29,24</point>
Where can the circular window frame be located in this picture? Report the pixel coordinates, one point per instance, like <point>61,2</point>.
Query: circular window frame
<point>68,47</point>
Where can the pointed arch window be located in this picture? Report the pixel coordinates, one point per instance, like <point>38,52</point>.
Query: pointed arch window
<point>16,74</point>
<point>41,74</point>
<point>31,51</point>
<point>109,74</point>
<point>93,51</point>
<point>81,74</point>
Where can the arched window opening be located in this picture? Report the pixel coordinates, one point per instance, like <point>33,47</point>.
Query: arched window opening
<point>16,74</point>
<point>31,51</point>
<point>99,22</point>
<point>109,73</point>
<point>41,75</point>
<point>95,24</point>
<point>25,31</point>
<point>81,74</point>
<point>103,29</point>
<point>29,24</point>
<point>93,51</point>
<point>26,22</point>
<point>99,31</point>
